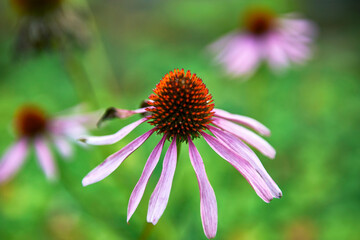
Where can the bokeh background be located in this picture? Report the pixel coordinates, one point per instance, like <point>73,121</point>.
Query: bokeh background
<point>313,111</point>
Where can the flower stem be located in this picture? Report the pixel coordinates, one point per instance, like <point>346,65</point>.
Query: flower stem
<point>145,234</point>
<point>81,82</point>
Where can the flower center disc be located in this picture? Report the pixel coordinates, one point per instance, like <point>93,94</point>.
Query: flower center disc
<point>181,105</point>
<point>30,121</point>
<point>35,7</point>
<point>259,21</point>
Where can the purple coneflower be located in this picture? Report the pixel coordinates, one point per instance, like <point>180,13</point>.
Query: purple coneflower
<point>35,128</point>
<point>277,40</point>
<point>181,110</point>
<point>48,24</point>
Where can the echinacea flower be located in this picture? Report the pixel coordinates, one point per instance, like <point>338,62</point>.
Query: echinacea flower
<point>35,128</point>
<point>264,37</point>
<point>181,110</point>
<point>48,24</point>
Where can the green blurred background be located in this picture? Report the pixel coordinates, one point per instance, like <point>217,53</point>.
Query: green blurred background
<point>312,110</point>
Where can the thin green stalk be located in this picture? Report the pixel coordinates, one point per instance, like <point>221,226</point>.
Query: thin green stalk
<point>145,234</point>
<point>82,84</point>
<point>97,56</point>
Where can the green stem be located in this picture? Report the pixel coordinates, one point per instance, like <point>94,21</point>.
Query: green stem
<point>145,234</point>
<point>99,57</point>
<point>81,82</point>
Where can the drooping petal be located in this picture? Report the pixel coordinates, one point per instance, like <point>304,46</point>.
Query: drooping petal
<point>301,29</point>
<point>112,112</point>
<point>87,119</point>
<point>13,159</point>
<point>139,189</point>
<point>247,154</point>
<point>208,205</point>
<point>247,121</point>
<point>274,51</point>
<point>297,51</point>
<point>160,197</point>
<point>248,57</point>
<point>221,47</point>
<point>45,158</point>
<point>246,135</point>
<point>111,139</point>
<point>238,52</point>
<point>114,160</point>
<point>244,167</point>
<point>67,127</point>
<point>232,48</point>
<point>63,146</point>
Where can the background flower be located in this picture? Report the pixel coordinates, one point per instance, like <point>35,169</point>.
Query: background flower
<point>263,36</point>
<point>36,129</point>
<point>48,24</point>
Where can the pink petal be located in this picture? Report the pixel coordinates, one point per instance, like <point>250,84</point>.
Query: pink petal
<point>301,29</point>
<point>45,158</point>
<point>139,189</point>
<point>124,113</point>
<point>160,196</point>
<point>246,135</point>
<point>275,52</point>
<point>112,113</point>
<point>250,174</point>
<point>247,121</point>
<point>113,161</point>
<point>221,43</point>
<point>247,154</point>
<point>63,146</point>
<point>67,127</point>
<point>298,52</point>
<point>111,139</point>
<point>234,48</point>
<point>88,119</point>
<point>247,59</point>
<point>208,205</point>
<point>13,159</point>
<point>238,52</point>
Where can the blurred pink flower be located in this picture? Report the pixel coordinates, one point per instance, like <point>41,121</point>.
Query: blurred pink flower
<point>36,129</point>
<point>277,40</point>
<point>181,109</point>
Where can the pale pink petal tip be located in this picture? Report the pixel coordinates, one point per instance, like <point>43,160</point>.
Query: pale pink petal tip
<point>63,146</point>
<point>45,158</point>
<point>248,155</point>
<point>113,161</point>
<point>111,139</point>
<point>246,135</point>
<point>244,167</point>
<point>13,159</point>
<point>139,189</point>
<point>160,196</point>
<point>247,121</point>
<point>208,205</point>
